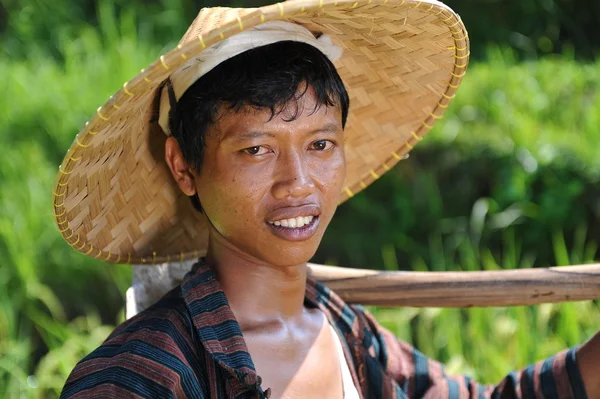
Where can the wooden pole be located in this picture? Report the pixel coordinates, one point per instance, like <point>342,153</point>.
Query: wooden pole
<point>462,289</point>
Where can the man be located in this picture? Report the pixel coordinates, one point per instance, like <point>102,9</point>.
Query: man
<point>260,140</point>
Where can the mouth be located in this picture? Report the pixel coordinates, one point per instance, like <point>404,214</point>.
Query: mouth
<point>293,223</point>
<point>299,228</point>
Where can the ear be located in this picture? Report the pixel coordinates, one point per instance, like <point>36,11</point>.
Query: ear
<point>180,169</point>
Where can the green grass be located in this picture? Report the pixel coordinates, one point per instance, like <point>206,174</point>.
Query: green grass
<point>549,109</point>
<point>57,305</point>
<point>48,301</point>
<point>487,343</point>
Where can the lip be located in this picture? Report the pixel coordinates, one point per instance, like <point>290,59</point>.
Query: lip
<point>298,233</point>
<point>290,212</point>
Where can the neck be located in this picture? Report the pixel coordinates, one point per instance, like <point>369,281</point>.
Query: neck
<point>259,294</point>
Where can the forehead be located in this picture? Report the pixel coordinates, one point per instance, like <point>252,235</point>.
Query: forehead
<point>303,112</point>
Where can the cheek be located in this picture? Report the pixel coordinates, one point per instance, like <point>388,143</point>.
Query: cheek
<point>330,178</point>
<point>341,172</point>
<point>333,173</point>
<point>229,198</point>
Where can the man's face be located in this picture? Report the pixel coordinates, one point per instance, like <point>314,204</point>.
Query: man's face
<point>271,187</point>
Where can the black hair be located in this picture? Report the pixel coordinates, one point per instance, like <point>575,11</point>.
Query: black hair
<point>271,77</point>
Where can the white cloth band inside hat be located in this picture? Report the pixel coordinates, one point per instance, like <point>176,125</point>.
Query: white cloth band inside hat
<point>260,35</point>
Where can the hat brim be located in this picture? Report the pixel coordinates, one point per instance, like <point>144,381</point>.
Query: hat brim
<point>402,61</point>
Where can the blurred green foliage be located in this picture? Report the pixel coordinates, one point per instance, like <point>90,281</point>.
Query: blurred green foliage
<point>508,179</point>
<point>532,27</point>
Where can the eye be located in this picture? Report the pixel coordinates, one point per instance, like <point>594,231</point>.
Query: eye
<point>256,150</point>
<point>322,145</point>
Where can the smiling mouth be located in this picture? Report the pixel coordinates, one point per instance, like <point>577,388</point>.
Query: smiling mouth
<point>295,229</point>
<point>293,223</point>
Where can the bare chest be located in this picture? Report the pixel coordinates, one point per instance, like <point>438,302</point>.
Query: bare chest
<point>314,377</point>
<point>300,370</point>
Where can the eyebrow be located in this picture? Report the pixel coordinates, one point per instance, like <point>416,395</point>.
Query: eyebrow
<point>328,128</point>
<point>257,134</point>
<point>252,134</point>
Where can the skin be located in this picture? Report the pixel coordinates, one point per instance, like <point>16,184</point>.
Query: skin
<point>254,167</point>
<point>588,360</point>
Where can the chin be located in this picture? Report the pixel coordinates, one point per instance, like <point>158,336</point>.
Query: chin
<point>290,256</point>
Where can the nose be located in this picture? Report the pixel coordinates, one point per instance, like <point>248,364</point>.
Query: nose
<point>292,177</point>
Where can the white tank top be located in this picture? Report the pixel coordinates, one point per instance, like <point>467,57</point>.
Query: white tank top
<point>350,391</point>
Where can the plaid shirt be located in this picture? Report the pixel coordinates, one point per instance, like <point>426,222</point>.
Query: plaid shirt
<point>189,345</point>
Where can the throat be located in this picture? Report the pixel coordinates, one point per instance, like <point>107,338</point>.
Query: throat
<point>259,293</point>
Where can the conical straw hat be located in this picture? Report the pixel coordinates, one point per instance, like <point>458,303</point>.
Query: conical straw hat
<point>402,61</point>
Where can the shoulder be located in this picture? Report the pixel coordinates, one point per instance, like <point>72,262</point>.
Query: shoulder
<point>353,320</point>
<point>374,337</point>
<point>360,325</point>
<point>150,355</point>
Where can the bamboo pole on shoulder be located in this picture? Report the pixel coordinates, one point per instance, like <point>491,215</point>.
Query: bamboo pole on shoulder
<point>462,289</point>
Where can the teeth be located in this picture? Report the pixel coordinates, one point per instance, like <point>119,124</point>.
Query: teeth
<point>294,223</point>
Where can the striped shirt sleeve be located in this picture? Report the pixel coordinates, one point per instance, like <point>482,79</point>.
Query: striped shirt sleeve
<point>149,356</point>
<point>421,377</point>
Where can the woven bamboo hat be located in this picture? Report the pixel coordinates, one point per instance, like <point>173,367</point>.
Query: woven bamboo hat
<point>402,61</point>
